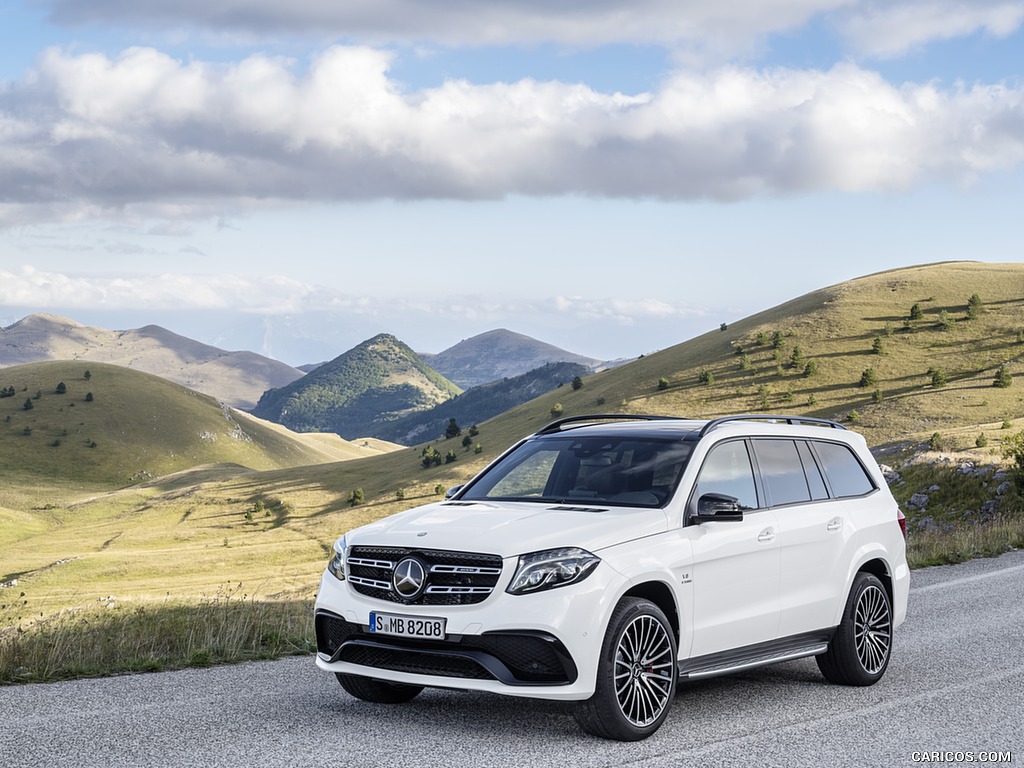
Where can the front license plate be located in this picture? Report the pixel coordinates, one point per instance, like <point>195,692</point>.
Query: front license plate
<point>407,626</point>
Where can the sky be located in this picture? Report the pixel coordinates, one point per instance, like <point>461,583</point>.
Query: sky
<point>610,177</point>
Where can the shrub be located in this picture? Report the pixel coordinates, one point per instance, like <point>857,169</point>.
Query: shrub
<point>28,406</point>
<point>981,441</point>
<point>400,494</point>
<point>762,339</point>
<point>88,397</point>
<point>439,490</point>
<point>868,378</point>
<point>356,497</point>
<point>452,430</point>
<point>938,377</point>
<point>778,340</point>
<point>877,346</point>
<point>854,417</point>
<point>450,457</point>
<point>811,369</point>
<point>62,388</point>
<point>557,410</point>
<point>935,442</point>
<point>707,377</point>
<point>945,321</point>
<point>577,382</point>
<point>916,313</point>
<point>662,384</point>
<point>1003,378</point>
<point>876,396</point>
<point>796,359</point>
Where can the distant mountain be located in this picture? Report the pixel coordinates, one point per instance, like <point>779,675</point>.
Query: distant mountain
<point>497,355</point>
<point>479,403</point>
<point>378,381</point>
<point>108,425</point>
<point>235,378</point>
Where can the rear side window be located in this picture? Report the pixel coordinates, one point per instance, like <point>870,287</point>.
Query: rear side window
<point>845,474</point>
<point>782,471</point>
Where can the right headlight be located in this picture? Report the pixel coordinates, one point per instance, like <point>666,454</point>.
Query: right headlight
<point>336,566</point>
<point>552,568</point>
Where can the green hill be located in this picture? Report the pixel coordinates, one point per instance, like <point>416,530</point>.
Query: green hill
<point>113,426</point>
<point>479,403</point>
<point>378,381</point>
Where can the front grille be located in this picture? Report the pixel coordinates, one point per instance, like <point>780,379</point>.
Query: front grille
<point>514,658</point>
<point>453,578</point>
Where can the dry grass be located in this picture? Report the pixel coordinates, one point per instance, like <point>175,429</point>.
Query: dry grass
<point>108,638</point>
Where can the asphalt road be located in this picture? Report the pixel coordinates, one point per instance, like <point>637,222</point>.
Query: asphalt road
<point>956,684</point>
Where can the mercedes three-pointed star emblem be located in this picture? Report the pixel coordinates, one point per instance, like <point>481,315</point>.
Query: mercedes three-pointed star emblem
<point>410,578</point>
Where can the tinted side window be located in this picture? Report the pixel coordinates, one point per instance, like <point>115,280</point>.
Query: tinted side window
<point>727,470</point>
<point>814,480</point>
<point>845,474</point>
<point>782,471</point>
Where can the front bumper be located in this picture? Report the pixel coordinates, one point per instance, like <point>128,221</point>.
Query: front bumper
<point>544,645</point>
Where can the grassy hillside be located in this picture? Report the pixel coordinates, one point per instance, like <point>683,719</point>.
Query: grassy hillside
<point>112,427</point>
<point>379,380</point>
<point>272,529</point>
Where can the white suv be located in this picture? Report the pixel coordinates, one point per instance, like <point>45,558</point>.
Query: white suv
<point>604,558</point>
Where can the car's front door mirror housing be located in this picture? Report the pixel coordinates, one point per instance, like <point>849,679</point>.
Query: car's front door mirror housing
<point>718,507</point>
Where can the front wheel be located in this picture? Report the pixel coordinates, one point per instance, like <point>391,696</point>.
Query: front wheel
<point>378,691</point>
<point>860,649</point>
<point>636,674</point>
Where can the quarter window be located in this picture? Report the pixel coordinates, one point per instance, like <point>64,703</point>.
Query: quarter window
<point>814,479</point>
<point>845,474</point>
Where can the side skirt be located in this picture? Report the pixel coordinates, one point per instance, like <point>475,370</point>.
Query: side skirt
<point>759,655</point>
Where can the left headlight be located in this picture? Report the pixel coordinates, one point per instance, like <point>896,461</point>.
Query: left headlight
<point>337,564</point>
<point>552,568</point>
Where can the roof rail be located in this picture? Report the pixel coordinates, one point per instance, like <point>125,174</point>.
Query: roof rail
<point>556,426</point>
<point>715,423</point>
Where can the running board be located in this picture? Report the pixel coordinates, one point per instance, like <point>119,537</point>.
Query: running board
<point>750,657</point>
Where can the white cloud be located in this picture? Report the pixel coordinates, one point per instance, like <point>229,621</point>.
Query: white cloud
<point>466,22</point>
<point>889,29</point>
<point>39,290</point>
<point>144,135</point>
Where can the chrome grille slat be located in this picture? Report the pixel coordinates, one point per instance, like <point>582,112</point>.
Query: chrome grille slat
<point>453,578</point>
<point>372,563</point>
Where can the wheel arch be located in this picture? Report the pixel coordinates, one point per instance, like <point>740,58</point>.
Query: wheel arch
<point>659,593</point>
<point>879,568</point>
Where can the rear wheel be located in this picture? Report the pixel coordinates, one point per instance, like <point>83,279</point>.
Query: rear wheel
<point>636,675</point>
<point>378,691</point>
<point>860,649</point>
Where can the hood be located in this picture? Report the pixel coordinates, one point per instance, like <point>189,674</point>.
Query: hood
<point>509,528</point>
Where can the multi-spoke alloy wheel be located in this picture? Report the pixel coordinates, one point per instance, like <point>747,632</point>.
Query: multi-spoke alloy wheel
<point>860,649</point>
<point>872,627</point>
<point>636,676</point>
<point>643,670</point>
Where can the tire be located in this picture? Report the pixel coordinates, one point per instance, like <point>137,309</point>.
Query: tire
<point>636,674</point>
<point>862,645</point>
<point>378,691</point>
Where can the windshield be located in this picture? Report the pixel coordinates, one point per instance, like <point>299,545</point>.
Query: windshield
<point>624,471</point>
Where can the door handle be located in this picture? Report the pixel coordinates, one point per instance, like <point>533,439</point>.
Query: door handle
<point>766,535</point>
<point>835,524</point>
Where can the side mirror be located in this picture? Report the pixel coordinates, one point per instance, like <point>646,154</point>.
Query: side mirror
<point>450,493</point>
<point>718,507</point>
